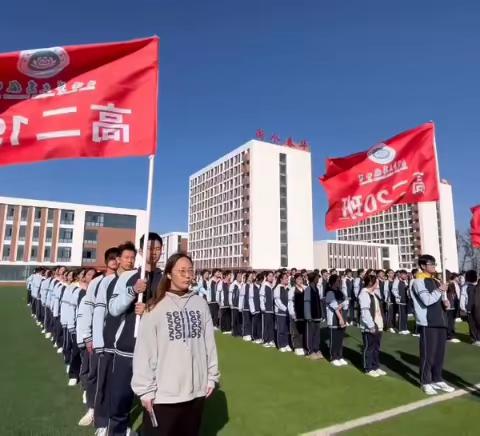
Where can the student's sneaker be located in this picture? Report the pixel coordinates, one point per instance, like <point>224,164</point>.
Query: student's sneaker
<point>247,338</point>
<point>72,382</point>
<point>288,348</point>
<point>259,341</point>
<point>344,362</point>
<point>405,332</point>
<point>299,351</point>
<point>454,340</point>
<point>102,431</point>
<point>44,331</point>
<point>131,432</point>
<point>60,350</point>
<point>86,419</point>
<point>381,372</point>
<point>373,374</point>
<point>227,333</point>
<point>267,345</point>
<point>55,345</point>
<point>429,390</point>
<point>283,350</point>
<point>476,343</point>
<point>458,319</point>
<point>336,363</point>
<point>48,335</point>
<point>319,355</point>
<point>272,344</point>
<point>416,335</point>
<point>442,386</point>
<point>67,369</point>
<point>84,397</point>
<point>392,330</point>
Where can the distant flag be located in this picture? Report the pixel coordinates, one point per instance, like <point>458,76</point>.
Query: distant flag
<point>400,170</point>
<point>475,227</point>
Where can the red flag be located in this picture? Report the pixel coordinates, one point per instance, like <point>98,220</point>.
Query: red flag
<point>400,170</point>
<point>475,226</point>
<point>79,101</point>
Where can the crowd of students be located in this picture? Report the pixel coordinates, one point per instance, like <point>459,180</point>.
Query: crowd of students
<point>90,318</point>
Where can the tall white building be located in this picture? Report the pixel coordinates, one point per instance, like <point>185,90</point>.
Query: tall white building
<point>252,208</point>
<point>423,228</point>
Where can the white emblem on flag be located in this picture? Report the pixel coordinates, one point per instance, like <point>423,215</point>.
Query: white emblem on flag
<point>381,154</point>
<point>43,63</point>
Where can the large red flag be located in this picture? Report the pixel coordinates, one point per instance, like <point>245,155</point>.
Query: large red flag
<point>475,226</point>
<point>400,170</point>
<point>79,101</point>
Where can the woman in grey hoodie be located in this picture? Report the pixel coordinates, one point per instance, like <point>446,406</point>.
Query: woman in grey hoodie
<point>175,365</point>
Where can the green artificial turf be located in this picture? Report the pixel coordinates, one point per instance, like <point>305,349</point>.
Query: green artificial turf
<point>263,392</point>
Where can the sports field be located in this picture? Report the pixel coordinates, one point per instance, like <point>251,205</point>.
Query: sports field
<point>263,392</point>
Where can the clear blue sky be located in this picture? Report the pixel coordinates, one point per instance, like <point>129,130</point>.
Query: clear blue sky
<point>342,74</point>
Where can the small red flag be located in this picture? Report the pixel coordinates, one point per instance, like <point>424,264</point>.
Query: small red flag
<point>475,226</point>
<point>399,170</point>
<point>79,101</point>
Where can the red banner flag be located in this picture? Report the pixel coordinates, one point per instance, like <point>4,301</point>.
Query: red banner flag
<point>475,226</point>
<point>79,101</point>
<point>400,170</point>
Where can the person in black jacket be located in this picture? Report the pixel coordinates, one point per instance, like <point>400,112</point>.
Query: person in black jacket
<point>313,316</point>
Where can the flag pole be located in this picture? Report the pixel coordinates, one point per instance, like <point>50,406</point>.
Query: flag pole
<point>151,167</point>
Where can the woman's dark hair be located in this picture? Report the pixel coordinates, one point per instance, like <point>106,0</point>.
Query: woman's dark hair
<point>296,276</point>
<point>165,282</point>
<point>282,275</point>
<point>369,280</point>
<point>333,282</point>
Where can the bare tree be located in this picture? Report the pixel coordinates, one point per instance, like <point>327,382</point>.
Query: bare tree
<point>469,257</point>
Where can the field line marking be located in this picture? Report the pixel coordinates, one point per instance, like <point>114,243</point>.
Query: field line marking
<point>390,413</point>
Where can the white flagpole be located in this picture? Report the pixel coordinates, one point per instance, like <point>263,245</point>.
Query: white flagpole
<point>151,166</point>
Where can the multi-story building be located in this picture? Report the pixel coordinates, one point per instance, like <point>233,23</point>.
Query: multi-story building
<point>36,232</point>
<point>423,228</point>
<point>341,255</point>
<point>252,208</point>
<point>173,242</point>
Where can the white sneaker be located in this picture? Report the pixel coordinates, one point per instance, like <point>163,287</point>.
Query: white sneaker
<point>259,341</point>
<point>272,344</point>
<point>405,332</point>
<point>381,372</point>
<point>44,331</point>
<point>48,335</point>
<point>373,374</point>
<point>476,343</point>
<point>416,335</point>
<point>67,369</point>
<point>336,363</point>
<point>60,350</point>
<point>458,319</point>
<point>299,351</point>
<point>247,338</point>
<point>344,362</point>
<point>55,345</point>
<point>102,431</point>
<point>288,349</point>
<point>84,398</point>
<point>72,382</point>
<point>429,390</point>
<point>443,387</point>
<point>283,350</point>
<point>392,330</point>
<point>454,340</point>
<point>131,432</point>
<point>86,419</point>
<point>227,333</point>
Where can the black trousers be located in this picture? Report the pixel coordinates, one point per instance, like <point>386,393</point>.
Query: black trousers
<point>297,329</point>
<point>39,311</point>
<point>121,395</point>
<point>236,322</point>
<point>451,315</point>
<point>58,332</point>
<point>67,345</point>
<point>29,296</point>
<point>432,353</point>
<point>282,330</point>
<point>257,326</point>
<point>268,331</point>
<point>389,316</point>
<point>33,307</point>
<point>101,408</point>
<point>246,323</point>
<point>402,317</point>
<point>214,313</point>
<point>351,310</point>
<point>75,359</point>
<point>88,375</point>
<point>323,307</point>
<point>474,327</point>
<point>312,331</point>
<point>336,343</point>
<point>225,319</point>
<point>371,350</point>
<point>182,419</point>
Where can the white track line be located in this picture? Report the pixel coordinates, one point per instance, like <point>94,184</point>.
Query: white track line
<point>381,416</point>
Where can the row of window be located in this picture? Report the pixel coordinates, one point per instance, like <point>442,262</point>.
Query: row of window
<point>66,216</point>
<point>220,169</point>
<point>96,219</point>
<point>64,254</point>
<point>216,187</point>
<point>218,201</point>
<point>65,235</point>
<point>205,213</point>
<point>218,241</point>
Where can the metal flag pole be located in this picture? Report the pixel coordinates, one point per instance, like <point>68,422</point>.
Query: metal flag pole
<point>151,167</point>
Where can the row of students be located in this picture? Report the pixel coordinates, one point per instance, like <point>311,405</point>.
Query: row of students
<point>94,317</point>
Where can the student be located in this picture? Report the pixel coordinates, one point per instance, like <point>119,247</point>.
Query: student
<point>245,291</point>
<point>430,302</point>
<point>255,309</point>
<point>267,308</point>
<point>313,317</point>
<point>293,272</point>
<point>210,293</point>
<point>234,299</point>
<point>35,288</point>
<point>470,305</point>
<point>371,325</point>
<point>57,296</point>
<point>29,288</point>
<point>322,287</point>
<point>42,314</point>
<point>224,303</point>
<point>296,310</point>
<point>400,293</point>
<point>335,300</point>
<point>357,287</point>
<point>348,289</point>
<point>175,364</point>
<point>123,303</point>
<point>281,312</point>
<point>202,284</point>
<point>390,304</point>
<point>454,303</point>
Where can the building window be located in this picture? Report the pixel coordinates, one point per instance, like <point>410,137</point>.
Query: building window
<point>20,251</point>
<point>64,254</point>
<point>89,255</point>
<point>8,232</point>
<point>51,214</point>
<point>38,213</point>
<point>48,235</point>
<point>47,253</point>
<point>21,233</point>
<point>35,234</point>
<point>283,211</point>
<point>67,217</point>
<point>24,213</point>
<point>65,235</point>
<point>93,219</point>
<point>10,212</point>
<point>120,221</point>
<point>34,253</point>
<point>90,237</point>
<point>6,252</point>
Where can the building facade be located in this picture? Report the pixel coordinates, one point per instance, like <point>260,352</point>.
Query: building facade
<point>173,242</point>
<point>341,255</point>
<point>252,209</point>
<point>423,228</point>
<point>35,232</point>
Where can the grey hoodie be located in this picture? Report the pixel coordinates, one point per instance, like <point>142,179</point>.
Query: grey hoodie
<point>175,357</point>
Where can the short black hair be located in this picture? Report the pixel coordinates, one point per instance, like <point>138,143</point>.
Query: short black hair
<point>323,271</point>
<point>403,271</point>
<point>127,246</point>
<point>152,236</point>
<point>348,270</point>
<point>111,253</point>
<point>471,276</point>
<point>312,276</point>
<point>424,259</point>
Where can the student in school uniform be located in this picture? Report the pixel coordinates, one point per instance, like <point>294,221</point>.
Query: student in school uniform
<point>357,287</point>
<point>35,288</point>
<point>348,290</point>
<point>371,325</point>
<point>175,364</point>
<point>468,305</point>
<point>255,308</point>
<point>29,288</point>
<point>267,308</point>
<point>454,303</point>
<point>296,310</point>
<point>42,316</point>
<point>245,291</point>
<point>281,312</point>
<point>335,300</point>
<point>224,303</point>
<point>322,286</point>
<point>430,302</point>
<point>234,298</point>
<point>211,296</point>
<point>202,283</point>
<point>389,301</point>
<point>313,317</point>
<point>293,272</point>
<point>400,293</point>
<point>60,327</point>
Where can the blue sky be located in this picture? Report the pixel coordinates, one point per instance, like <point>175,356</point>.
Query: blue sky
<point>342,74</point>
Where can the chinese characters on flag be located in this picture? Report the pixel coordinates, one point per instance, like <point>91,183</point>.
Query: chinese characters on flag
<point>400,170</point>
<point>79,101</point>
<point>475,227</point>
